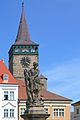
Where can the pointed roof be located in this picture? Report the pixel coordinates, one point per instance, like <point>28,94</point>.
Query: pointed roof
<point>4,70</point>
<point>42,76</point>
<point>23,37</point>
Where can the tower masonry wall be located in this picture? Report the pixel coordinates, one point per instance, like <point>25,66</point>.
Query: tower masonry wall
<point>18,70</point>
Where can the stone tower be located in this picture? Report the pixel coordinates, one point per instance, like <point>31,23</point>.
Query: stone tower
<point>22,48</point>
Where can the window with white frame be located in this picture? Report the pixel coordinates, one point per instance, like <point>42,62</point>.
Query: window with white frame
<point>58,112</point>
<point>5,95</point>
<point>5,113</point>
<point>5,77</point>
<point>8,113</point>
<point>11,113</point>
<point>22,111</point>
<point>11,95</point>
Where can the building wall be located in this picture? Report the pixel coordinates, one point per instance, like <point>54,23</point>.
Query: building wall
<point>49,107</point>
<point>21,105</point>
<point>58,105</point>
<point>16,68</point>
<point>67,113</point>
<point>72,115</point>
<point>77,112</point>
<point>8,103</point>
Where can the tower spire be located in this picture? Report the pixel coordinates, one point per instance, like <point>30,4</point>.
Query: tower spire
<point>23,34</point>
<point>22,48</point>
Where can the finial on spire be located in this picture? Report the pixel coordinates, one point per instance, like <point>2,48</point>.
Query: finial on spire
<point>22,3</point>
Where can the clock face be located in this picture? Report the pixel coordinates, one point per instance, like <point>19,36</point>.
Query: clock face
<point>25,61</point>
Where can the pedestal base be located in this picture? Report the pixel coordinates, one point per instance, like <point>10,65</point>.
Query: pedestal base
<point>35,112</point>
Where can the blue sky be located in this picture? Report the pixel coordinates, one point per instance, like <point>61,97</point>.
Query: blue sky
<point>55,25</point>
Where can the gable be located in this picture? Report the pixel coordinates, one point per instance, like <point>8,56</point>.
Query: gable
<point>4,70</point>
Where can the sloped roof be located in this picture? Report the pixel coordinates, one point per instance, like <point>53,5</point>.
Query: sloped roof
<point>76,103</point>
<point>25,42</point>
<point>4,70</point>
<point>23,37</point>
<point>52,96</point>
<point>23,33</point>
<point>46,95</point>
<point>42,77</point>
<point>21,90</point>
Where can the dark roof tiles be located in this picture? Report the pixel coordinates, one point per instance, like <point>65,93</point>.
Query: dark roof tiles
<point>25,42</point>
<point>23,37</point>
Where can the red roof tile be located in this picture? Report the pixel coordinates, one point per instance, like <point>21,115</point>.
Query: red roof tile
<point>4,70</point>
<point>46,95</point>
<point>21,90</point>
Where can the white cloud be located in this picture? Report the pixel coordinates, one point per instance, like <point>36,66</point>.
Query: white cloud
<point>65,79</point>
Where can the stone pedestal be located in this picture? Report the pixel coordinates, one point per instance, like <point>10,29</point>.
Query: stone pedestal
<point>35,112</point>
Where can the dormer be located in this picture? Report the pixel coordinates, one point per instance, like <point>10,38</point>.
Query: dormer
<point>5,76</point>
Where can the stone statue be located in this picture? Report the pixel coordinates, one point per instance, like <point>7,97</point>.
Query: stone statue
<point>35,84</point>
<point>28,86</point>
<point>32,83</point>
<point>35,106</point>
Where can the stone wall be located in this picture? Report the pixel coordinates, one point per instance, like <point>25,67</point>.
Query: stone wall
<point>16,68</point>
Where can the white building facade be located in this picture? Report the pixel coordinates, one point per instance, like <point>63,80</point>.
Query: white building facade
<point>8,102</point>
<point>8,95</point>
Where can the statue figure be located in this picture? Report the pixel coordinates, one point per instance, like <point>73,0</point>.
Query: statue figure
<point>27,83</point>
<point>27,75</point>
<point>35,84</point>
<point>32,83</point>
